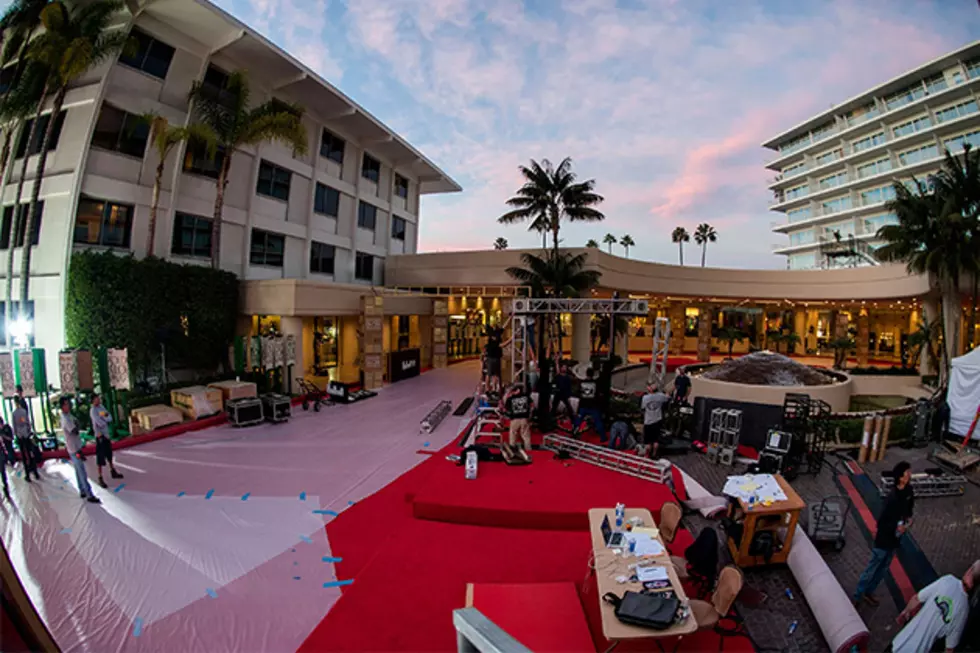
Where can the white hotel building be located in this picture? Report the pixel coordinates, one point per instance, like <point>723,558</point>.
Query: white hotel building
<point>836,170</point>
<point>332,215</point>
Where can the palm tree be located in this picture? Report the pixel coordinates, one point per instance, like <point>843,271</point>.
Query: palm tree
<point>680,236</point>
<point>924,340</point>
<point>773,338</point>
<point>500,243</point>
<point>731,335</point>
<point>610,240</point>
<point>791,340</point>
<point>550,276</point>
<point>703,235</point>
<point>932,237</point>
<point>592,243</point>
<point>627,242</point>
<point>165,137</point>
<point>76,37</point>
<point>551,195</point>
<point>841,346</point>
<point>233,125</point>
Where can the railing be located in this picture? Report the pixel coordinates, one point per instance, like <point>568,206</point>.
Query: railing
<point>475,633</point>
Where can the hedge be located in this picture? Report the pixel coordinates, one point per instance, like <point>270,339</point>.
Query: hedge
<point>120,301</point>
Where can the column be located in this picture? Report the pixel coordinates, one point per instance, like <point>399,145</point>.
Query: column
<point>799,328</point>
<point>371,336</point>
<point>863,333</point>
<point>929,312</point>
<point>440,332</point>
<point>704,333</point>
<point>293,326</point>
<point>581,336</point>
<point>810,337</point>
<point>676,315</point>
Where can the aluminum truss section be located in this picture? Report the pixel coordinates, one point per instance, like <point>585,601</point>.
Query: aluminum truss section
<point>661,347</point>
<point>518,348</point>
<point>526,306</point>
<point>928,485</point>
<point>723,435</point>
<point>657,471</point>
<point>432,421</point>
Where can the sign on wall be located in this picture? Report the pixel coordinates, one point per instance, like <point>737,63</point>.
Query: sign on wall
<point>404,364</point>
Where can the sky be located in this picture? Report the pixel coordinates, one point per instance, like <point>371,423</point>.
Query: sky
<point>665,103</point>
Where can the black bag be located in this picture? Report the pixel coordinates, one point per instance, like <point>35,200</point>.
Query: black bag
<point>646,610</point>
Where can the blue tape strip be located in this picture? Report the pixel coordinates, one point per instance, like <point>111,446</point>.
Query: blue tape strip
<point>295,577</point>
<point>119,487</point>
<point>65,531</point>
<point>212,593</point>
<point>209,494</point>
<point>339,583</point>
<point>302,496</point>
<point>306,539</point>
<point>325,512</point>
<point>425,444</point>
<point>350,503</point>
<point>137,627</point>
<point>246,496</point>
<point>295,564</point>
<point>180,494</point>
<point>294,550</point>
<point>331,559</point>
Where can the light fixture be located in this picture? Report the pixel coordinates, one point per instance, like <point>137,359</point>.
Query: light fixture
<point>21,330</point>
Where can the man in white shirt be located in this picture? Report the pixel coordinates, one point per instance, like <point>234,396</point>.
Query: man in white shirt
<point>653,416</point>
<point>938,610</point>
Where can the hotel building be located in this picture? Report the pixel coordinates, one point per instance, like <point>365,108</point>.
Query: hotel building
<point>836,170</point>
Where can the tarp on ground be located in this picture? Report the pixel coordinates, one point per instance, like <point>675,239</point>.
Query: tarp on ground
<point>964,393</point>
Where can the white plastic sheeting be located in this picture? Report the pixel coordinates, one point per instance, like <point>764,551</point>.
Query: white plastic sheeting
<point>963,396</point>
<point>235,563</point>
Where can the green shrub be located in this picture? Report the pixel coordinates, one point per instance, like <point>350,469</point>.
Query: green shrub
<point>119,301</point>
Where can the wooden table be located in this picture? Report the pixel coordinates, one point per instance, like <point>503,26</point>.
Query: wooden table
<point>608,566</point>
<point>780,518</point>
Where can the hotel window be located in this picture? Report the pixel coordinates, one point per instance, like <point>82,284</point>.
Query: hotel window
<point>397,228</point>
<point>364,267</point>
<point>903,97</point>
<point>18,225</point>
<point>42,127</point>
<point>955,145</point>
<point>151,56</point>
<point>918,154</point>
<point>844,230</point>
<point>802,261</point>
<point>326,200</point>
<point>214,84</point>
<point>833,180</point>
<point>273,181</point>
<point>874,168</point>
<point>367,216</point>
<point>332,147</point>
<point>192,236</point>
<point>912,126</point>
<point>267,248</point>
<point>836,205</point>
<point>197,161</point>
<point>401,187</point>
<point>878,195</point>
<point>371,168</point>
<point>935,83</point>
<point>321,258</point>
<point>917,186</point>
<point>823,131</point>
<point>872,225</point>
<point>120,131</point>
<point>799,214</point>
<point>832,155</point>
<point>7,77</point>
<point>799,191</point>
<point>957,77</point>
<point>792,171</point>
<point>957,111</point>
<point>863,114</point>
<point>100,222</point>
<point>801,237</point>
<point>973,68</point>
<point>794,145</point>
<point>868,141</point>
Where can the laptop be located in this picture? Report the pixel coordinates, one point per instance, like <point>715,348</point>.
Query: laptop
<point>613,540</point>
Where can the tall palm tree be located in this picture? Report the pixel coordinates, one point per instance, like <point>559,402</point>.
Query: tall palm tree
<point>703,235</point>
<point>610,240</point>
<point>627,242</point>
<point>592,243</point>
<point>731,335</point>
<point>551,276</point>
<point>233,125</point>
<point>500,243</point>
<point>165,137</point>
<point>552,195</point>
<point>680,236</point>
<point>76,37</point>
<point>932,237</point>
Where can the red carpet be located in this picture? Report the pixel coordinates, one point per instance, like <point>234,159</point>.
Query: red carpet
<point>541,616</point>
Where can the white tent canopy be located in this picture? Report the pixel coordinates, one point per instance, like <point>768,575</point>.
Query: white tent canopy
<point>964,393</point>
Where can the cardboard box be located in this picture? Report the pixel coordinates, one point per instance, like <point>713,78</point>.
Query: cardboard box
<point>197,401</point>
<point>153,417</point>
<point>235,389</point>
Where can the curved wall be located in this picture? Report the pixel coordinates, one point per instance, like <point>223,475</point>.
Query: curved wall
<point>838,395</point>
<point>489,268</point>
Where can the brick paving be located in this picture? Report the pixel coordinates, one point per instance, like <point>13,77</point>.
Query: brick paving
<point>944,529</point>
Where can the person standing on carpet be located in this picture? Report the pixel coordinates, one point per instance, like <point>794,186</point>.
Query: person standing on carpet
<point>563,392</point>
<point>517,406</point>
<point>894,520</point>
<point>938,610</point>
<point>588,405</point>
<point>7,440</point>
<point>653,418</point>
<point>73,442</point>
<point>25,439</point>
<point>103,444</point>
<point>682,385</point>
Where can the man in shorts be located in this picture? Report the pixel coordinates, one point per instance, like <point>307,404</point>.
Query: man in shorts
<point>103,444</point>
<point>517,406</point>
<point>653,417</point>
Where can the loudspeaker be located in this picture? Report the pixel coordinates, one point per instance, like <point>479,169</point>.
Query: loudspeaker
<point>522,305</point>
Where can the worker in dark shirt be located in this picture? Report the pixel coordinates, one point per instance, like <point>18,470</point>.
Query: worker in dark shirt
<point>682,385</point>
<point>589,406</point>
<point>563,392</point>
<point>893,521</point>
<point>517,405</point>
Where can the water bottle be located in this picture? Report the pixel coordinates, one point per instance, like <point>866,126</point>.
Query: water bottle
<point>789,594</point>
<point>751,502</point>
<point>620,513</point>
<point>792,627</point>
